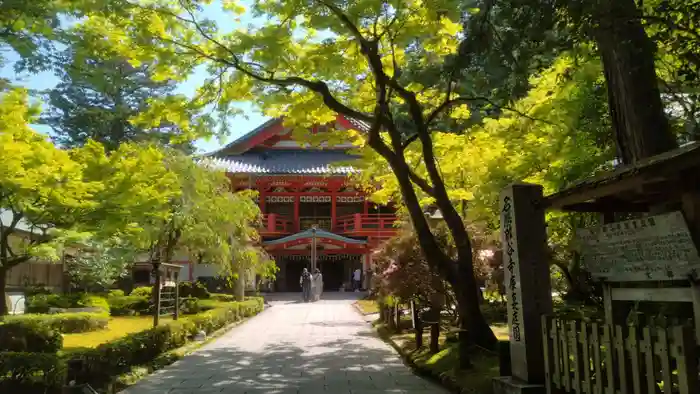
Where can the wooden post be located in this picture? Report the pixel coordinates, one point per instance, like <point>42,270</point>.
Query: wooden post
<point>176,314</point>
<point>156,294</point>
<point>397,317</point>
<point>607,303</point>
<point>358,222</point>
<point>417,325</point>
<point>435,333</point>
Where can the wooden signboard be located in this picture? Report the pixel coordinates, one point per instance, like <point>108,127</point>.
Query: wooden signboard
<point>653,248</point>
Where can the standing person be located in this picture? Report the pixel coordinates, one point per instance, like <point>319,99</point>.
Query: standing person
<point>356,279</point>
<point>317,284</point>
<point>305,283</point>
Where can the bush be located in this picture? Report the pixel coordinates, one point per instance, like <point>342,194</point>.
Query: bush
<point>29,337</point>
<point>31,372</point>
<point>144,291</point>
<point>115,293</point>
<point>129,305</point>
<point>41,303</point>
<point>66,323</point>
<point>495,312</point>
<point>223,297</point>
<point>196,289</point>
<point>190,306</point>
<point>145,347</point>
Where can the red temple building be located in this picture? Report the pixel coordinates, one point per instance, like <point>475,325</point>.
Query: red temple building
<point>307,198</point>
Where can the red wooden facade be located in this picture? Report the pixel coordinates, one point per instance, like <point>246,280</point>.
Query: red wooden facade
<point>299,188</point>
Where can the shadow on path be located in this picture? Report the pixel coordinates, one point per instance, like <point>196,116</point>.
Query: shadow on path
<point>334,366</point>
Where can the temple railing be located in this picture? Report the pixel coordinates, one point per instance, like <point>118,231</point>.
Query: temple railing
<point>359,222</point>
<point>276,224</point>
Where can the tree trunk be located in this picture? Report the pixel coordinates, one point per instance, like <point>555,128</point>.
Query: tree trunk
<point>639,123</point>
<point>239,285</point>
<point>4,307</point>
<point>435,337</point>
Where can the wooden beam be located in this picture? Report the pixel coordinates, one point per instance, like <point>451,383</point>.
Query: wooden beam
<point>653,294</point>
<point>605,206</point>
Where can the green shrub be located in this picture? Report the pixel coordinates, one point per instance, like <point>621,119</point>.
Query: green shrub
<point>66,323</point>
<point>495,312</point>
<point>41,303</point>
<point>144,291</point>
<point>31,372</point>
<point>144,348</point>
<point>196,289</point>
<point>189,306</point>
<point>29,337</point>
<point>115,293</point>
<point>129,305</point>
<point>94,302</point>
<point>223,297</point>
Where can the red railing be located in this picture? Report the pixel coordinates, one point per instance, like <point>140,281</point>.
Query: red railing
<point>364,223</point>
<point>360,224</point>
<point>276,224</point>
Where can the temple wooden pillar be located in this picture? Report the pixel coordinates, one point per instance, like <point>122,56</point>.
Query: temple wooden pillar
<point>297,225</point>
<point>333,209</point>
<point>261,202</point>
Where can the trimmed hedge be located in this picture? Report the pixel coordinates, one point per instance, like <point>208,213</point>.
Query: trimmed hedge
<point>223,297</point>
<point>29,337</point>
<point>66,323</point>
<point>143,348</point>
<point>196,289</point>
<point>31,372</point>
<point>129,305</point>
<point>41,303</point>
<point>115,293</point>
<point>143,291</point>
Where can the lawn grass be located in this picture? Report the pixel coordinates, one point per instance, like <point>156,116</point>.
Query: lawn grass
<point>442,366</point>
<point>368,307</point>
<point>116,328</point>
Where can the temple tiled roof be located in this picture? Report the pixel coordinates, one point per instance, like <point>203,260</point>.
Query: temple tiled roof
<point>285,162</point>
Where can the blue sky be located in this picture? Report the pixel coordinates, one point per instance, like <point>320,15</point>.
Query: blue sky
<point>239,124</point>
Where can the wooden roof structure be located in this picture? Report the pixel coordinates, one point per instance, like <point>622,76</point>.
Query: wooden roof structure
<point>634,188</point>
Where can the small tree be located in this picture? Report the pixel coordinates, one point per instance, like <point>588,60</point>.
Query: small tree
<point>42,192</point>
<point>99,263</point>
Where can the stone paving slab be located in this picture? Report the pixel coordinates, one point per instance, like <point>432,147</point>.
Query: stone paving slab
<point>292,348</point>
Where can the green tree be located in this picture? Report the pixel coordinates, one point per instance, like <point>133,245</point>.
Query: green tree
<point>312,60</point>
<point>42,192</point>
<point>99,263</point>
<point>97,98</point>
<point>206,219</point>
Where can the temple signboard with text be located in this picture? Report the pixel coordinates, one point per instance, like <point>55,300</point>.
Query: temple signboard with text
<point>653,248</point>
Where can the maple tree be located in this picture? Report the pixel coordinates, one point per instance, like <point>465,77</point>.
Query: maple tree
<point>142,196</point>
<point>41,189</point>
<point>312,60</point>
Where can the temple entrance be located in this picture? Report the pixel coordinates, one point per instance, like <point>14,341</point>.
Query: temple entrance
<point>332,274</point>
<point>294,268</point>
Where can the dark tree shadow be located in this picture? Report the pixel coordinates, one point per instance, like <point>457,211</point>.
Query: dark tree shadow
<point>348,366</point>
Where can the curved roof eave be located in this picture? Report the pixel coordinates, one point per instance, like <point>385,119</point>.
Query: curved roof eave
<point>319,234</point>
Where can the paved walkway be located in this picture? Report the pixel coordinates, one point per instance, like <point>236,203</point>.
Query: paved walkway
<point>293,347</point>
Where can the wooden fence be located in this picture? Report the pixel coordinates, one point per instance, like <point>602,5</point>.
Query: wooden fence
<point>35,273</point>
<point>596,358</point>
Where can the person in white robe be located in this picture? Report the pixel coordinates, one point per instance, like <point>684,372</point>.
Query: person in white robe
<point>317,284</point>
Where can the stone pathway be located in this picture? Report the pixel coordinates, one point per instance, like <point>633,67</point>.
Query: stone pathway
<point>293,347</point>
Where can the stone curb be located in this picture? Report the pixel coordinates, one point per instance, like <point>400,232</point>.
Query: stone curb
<point>443,380</point>
<point>193,346</point>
